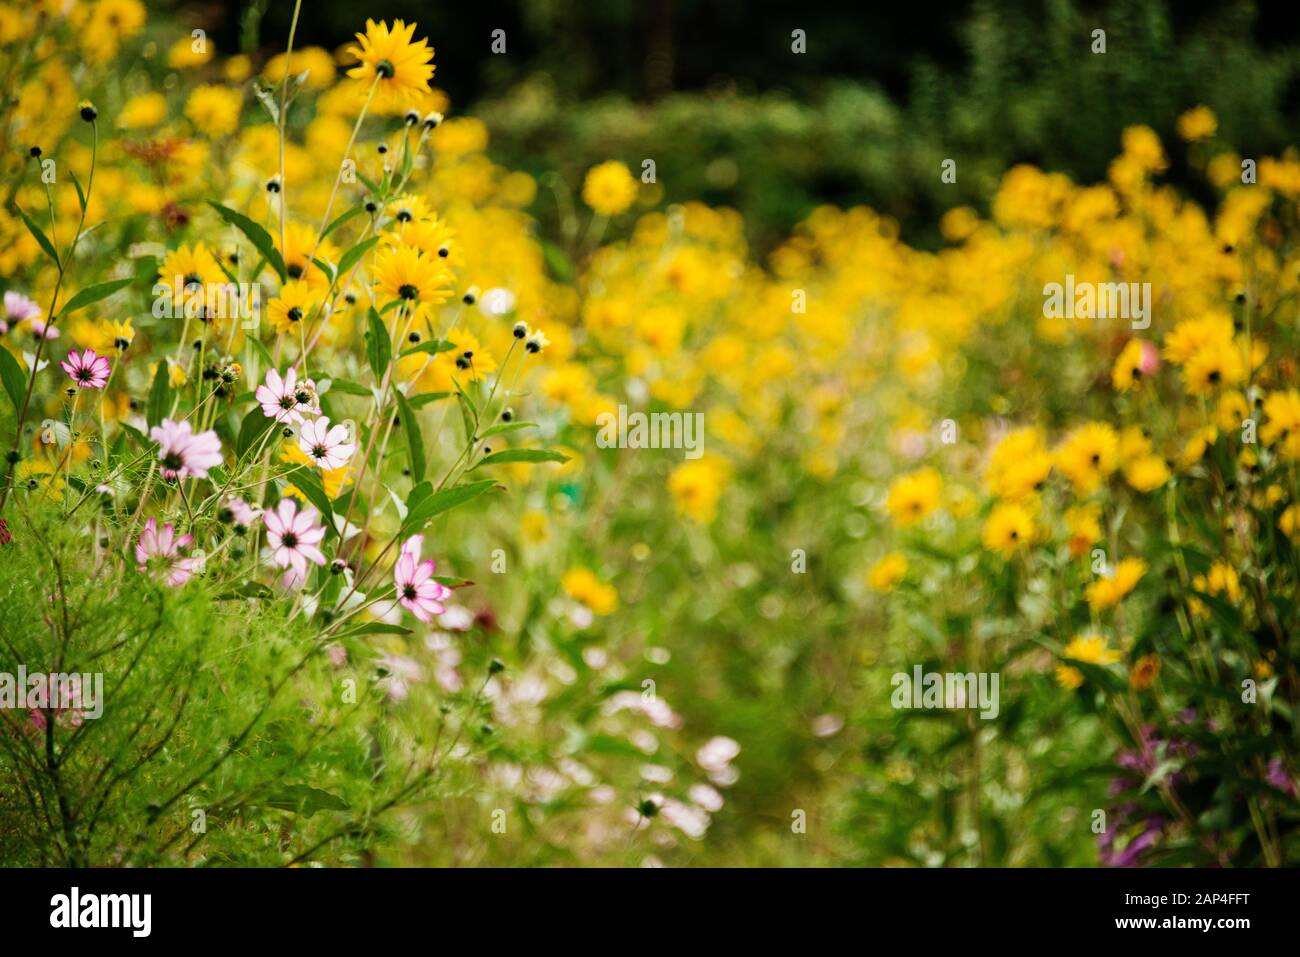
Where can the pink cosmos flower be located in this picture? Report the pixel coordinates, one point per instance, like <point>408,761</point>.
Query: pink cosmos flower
<point>294,536</point>
<point>243,513</point>
<point>88,370</point>
<point>160,550</point>
<point>328,448</point>
<point>18,308</point>
<point>183,453</point>
<point>416,589</point>
<point>284,399</point>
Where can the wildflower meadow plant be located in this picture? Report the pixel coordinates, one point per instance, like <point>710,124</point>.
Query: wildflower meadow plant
<point>317,449</point>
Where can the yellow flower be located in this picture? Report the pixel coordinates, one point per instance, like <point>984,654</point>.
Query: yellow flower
<point>1232,411</point>
<point>913,496</point>
<point>1213,367</point>
<point>1282,423</point>
<point>1197,445</point>
<point>1142,145</point>
<point>1089,455</point>
<point>189,266</point>
<point>1090,649</point>
<point>533,527</point>
<point>1289,522</point>
<point>609,188</point>
<point>1145,671</point>
<point>1009,529</point>
<point>584,587</point>
<point>697,485</point>
<point>1193,335</point>
<point>1128,367</point>
<point>190,51</point>
<point>121,332</point>
<point>404,273</point>
<point>316,62</point>
<point>885,574</point>
<point>39,474</point>
<point>400,68</point>
<point>1197,124</point>
<point>1111,589</point>
<point>295,304</point>
<point>300,247</point>
<point>1147,473</point>
<point>214,110</point>
<point>1019,464</point>
<point>238,68</point>
<point>1221,579</point>
<point>1083,527</point>
<point>147,109</point>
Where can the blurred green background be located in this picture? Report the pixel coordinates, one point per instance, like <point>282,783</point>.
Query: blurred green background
<point>711,91</point>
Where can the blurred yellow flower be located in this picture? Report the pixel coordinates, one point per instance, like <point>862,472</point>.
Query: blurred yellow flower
<point>697,485</point>
<point>609,188</point>
<point>886,573</point>
<point>913,496</point>
<point>1197,124</point>
<point>1110,589</point>
<point>1090,649</point>
<point>1088,456</point>
<point>214,110</point>
<point>1009,530</point>
<point>582,585</point>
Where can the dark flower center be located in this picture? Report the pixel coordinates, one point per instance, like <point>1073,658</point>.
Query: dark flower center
<point>289,540</point>
<point>295,314</point>
<point>385,69</point>
<point>319,451</point>
<point>294,271</point>
<point>409,592</point>
<point>287,402</point>
<point>172,461</point>
<point>408,291</point>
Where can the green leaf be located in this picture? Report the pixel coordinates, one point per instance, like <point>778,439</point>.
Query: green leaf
<point>305,480</point>
<point>303,800</point>
<point>421,491</point>
<point>375,628</point>
<point>440,502</point>
<point>353,255</point>
<point>91,295</point>
<point>81,194</point>
<point>414,441</point>
<point>160,395</point>
<point>258,236</point>
<point>341,219</point>
<point>507,427</point>
<point>468,414</point>
<point>39,233</point>
<point>379,347</point>
<point>424,398</point>
<point>14,378</point>
<point>559,264</point>
<point>433,346</point>
<point>348,387</point>
<point>522,455</point>
<point>251,431</point>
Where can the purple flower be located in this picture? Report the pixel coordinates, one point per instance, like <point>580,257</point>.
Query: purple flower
<point>88,370</point>
<point>184,454</point>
